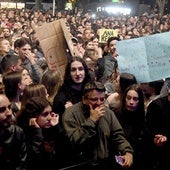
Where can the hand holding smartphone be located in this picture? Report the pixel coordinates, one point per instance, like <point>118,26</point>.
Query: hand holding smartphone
<point>119,160</point>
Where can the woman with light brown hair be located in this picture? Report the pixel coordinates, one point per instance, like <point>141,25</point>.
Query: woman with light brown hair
<point>14,83</point>
<point>5,47</point>
<point>33,90</point>
<point>52,81</point>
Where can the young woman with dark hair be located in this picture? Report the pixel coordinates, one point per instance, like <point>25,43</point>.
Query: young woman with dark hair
<point>76,75</point>
<point>131,116</point>
<point>44,138</point>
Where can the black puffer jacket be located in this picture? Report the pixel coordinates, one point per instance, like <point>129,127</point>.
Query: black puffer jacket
<point>12,148</point>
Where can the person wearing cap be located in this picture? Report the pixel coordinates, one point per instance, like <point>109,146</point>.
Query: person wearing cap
<point>78,49</point>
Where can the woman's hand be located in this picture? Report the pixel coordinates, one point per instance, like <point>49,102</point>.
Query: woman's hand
<point>160,140</point>
<point>54,119</point>
<point>68,104</point>
<point>33,123</point>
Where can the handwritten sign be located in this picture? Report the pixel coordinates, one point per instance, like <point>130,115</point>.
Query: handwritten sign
<point>148,58</point>
<point>104,34</point>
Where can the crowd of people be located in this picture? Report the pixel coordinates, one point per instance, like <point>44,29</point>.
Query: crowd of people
<point>92,117</point>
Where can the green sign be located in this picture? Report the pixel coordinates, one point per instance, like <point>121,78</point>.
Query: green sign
<point>104,34</point>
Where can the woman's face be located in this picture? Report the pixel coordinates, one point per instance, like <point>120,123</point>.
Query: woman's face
<point>96,42</point>
<point>77,72</point>
<point>44,119</point>
<point>5,46</point>
<point>132,100</point>
<point>25,79</point>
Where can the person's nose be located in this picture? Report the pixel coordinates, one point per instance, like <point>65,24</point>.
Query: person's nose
<point>77,72</point>
<point>8,112</point>
<point>131,101</point>
<point>49,116</point>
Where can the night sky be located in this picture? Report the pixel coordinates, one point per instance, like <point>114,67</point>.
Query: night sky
<point>145,1</point>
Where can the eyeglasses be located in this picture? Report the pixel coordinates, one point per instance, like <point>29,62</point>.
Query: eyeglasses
<point>4,108</point>
<point>95,100</point>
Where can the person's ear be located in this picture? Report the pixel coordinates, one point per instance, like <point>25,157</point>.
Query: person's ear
<point>84,100</point>
<point>12,68</point>
<point>19,86</point>
<point>17,50</point>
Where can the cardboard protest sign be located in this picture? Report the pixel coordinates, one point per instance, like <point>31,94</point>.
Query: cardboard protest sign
<point>104,34</point>
<point>54,38</point>
<point>148,58</point>
<point>68,37</point>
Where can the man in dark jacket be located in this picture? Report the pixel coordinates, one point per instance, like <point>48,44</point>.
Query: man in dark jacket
<point>108,63</point>
<point>158,128</point>
<point>12,139</point>
<point>95,131</point>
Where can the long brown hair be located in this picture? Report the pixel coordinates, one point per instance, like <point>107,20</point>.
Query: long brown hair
<point>33,90</point>
<point>52,81</point>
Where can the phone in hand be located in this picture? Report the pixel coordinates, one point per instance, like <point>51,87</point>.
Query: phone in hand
<point>119,159</point>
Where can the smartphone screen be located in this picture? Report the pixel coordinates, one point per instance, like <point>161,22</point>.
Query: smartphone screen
<point>119,160</point>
